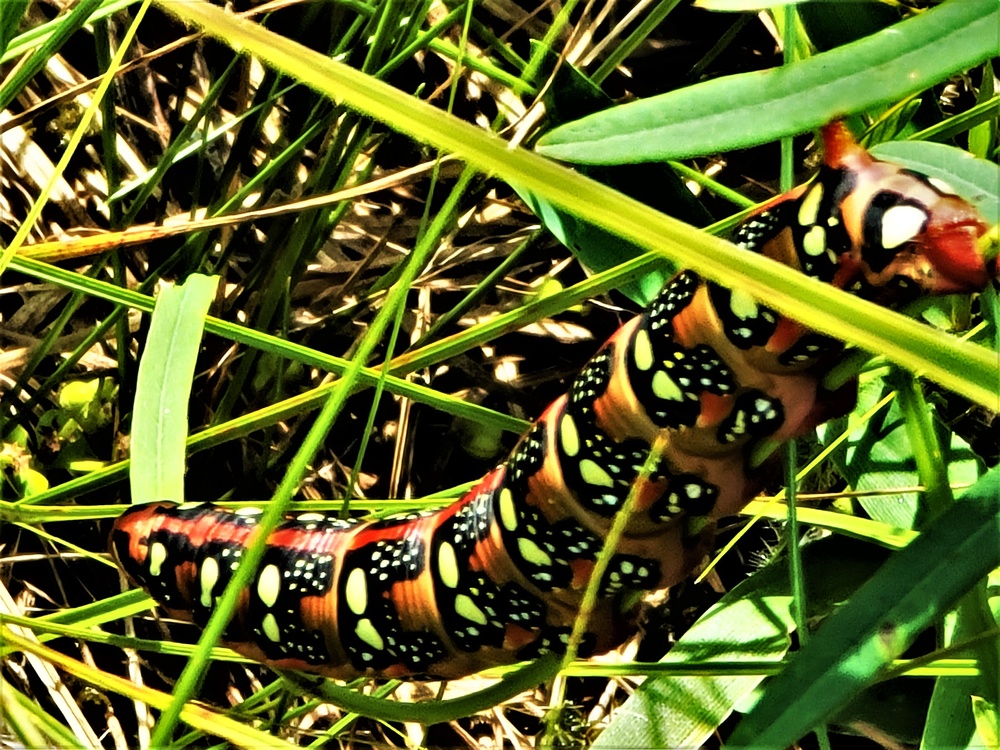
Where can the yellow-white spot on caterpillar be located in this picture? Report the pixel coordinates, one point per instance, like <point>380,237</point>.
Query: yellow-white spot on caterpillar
<point>592,473</point>
<point>310,517</point>
<point>367,633</point>
<point>188,506</point>
<point>248,512</point>
<point>941,185</point>
<point>533,553</point>
<point>508,514</point>
<point>270,627</point>
<point>814,241</point>
<point>642,350</point>
<point>809,208</point>
<point>665,388</point>
<point>901,224</point>
<point>269,585</point>
<point>208,577</point>
<point>448,565</point>
<point>157,554</point>
<point>356,591</point>
<point>569,438</point>
<point>743,305</point>
<point>465,607</point>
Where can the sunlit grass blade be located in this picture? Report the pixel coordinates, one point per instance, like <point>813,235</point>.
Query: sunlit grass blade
<point>159,424</point>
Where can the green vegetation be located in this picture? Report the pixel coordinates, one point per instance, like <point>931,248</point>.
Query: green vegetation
<point>380,295</point>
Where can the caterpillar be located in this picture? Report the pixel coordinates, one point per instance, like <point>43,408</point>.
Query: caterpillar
<point>497,577</point>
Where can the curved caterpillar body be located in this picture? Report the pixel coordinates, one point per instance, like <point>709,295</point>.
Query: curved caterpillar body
<point>497,577</point>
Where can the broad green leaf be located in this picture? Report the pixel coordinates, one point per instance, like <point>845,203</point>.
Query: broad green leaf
<point>569,96</point>
<point>986,721</point>
<point>751,108</point>
<point>751,622</point>
<point>159,424</point>
<point>832,23</point>
<point>878,456</point>
<point>951,718</point>
<point>596,248</point>
<point>916,585</point>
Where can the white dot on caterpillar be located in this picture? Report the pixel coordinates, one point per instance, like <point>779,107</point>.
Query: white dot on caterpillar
<point>310,517</point>
<point>356,591</point>
<point>448,565</point>
<point>269,585</point>
<point>270,627</point>
<point>189,506</point>
<point>208,576</point>
<point>901,224</point>
<point>739,424</point>
<point>157,555</point>
<point>941,185</point>
<point>743,306</point>
<point>248,512</point>
<point>814,241</point>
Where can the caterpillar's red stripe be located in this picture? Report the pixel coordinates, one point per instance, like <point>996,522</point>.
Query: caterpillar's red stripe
<point>498,576</point>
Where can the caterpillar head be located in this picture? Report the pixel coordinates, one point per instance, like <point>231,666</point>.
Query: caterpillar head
<point>910,234</point>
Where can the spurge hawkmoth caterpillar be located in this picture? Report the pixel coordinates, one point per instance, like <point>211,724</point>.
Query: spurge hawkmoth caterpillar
<point>497,576</point>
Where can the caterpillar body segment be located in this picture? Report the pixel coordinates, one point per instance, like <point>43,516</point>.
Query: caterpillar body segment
<point>498,576</point>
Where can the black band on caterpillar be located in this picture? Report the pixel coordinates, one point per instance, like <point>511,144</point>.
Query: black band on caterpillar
<point>498,576</point>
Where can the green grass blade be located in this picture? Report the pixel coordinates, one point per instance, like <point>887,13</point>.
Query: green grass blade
<point>907,594</point>
<point>714,115</point>
<point>66,28</point>
<point>159,427</point>
<point>434,712</point>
